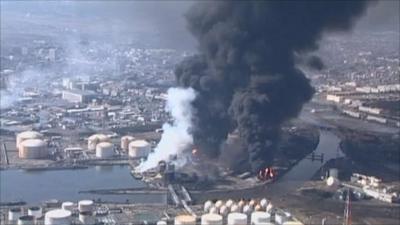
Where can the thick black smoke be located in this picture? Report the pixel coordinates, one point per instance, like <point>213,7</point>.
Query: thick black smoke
<point>246,73</point>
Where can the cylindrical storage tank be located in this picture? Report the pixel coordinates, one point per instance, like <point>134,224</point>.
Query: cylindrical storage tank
<point>26,220</point>
<point>57,217</point>
<point>269,207</point>
<point>223,210</point>
<point>104,150</point>
<point>247,209</point>
<point>67,206</point>
<point>260,218</point>
<point>237,219</point>
<point>139,149</point>
<point>235,208</point>
<point>14,214</point>
<point>229,203</point>
<point>241,204</point>
<point>207,206</point>
<point>333,172</point>
<point>258,208</point>
<point>264,203</point>
<point>214,210</point>
<point>95,139</point>
<point>252,203</point>
<point>219,203</point>
<point>211,219</point>
<point>35,211</point>
<point>125,140</point>
<point>85,206</point>
<point>293,223</point>
<point>27,135</point>
<point>87,218</point>
<point>162,222</point>
<point>280,219</point>
<point>185,220</point>
<point>33,149</point>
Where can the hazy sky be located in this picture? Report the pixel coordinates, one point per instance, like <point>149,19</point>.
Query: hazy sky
<point>121,20</point>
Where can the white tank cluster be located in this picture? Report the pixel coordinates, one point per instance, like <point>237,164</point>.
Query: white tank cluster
<point>58,217</point>
<point>104,150</point>
<point>96,139</point>
<point>253,212</point>
<point>30,145</point>
<point>139,149</point>
<point>125,140</point>
<point>185,220</point>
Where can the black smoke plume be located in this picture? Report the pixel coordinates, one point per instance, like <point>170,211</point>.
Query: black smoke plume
<point>246,74</point>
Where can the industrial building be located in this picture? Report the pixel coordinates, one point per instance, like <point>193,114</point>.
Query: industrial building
<point>78,96</point>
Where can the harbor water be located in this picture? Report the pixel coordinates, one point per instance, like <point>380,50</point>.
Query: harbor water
<point>34,187</point>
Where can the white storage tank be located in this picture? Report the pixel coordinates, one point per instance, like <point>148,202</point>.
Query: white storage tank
<point>229,203</point>
<point>104,150</point>
<point>185,220</point>
<point>214,210</point>
<point>207,206</point>
<point>264,203</point>
<point>161,222</point>
<point>223,210</point>
<point>247,209</point>
<point>237,219</point>
<point>26,220</point>
<point>14,214</point>
<point>85,206</point>
<point>218,204</point>
<point>125,140</point>
<point>95,139</point>
<point>58,217</point>
<point>211,219</point>
<point>35,211</point>
<point>67,206</point>
<point>293,223</point>
<point>235,208</point>
<point>33,149</point>
<point>260,218</point>
<point>280,219</point>
<point>27,135</point>
<point>87,218</point>
<point>139,149</point>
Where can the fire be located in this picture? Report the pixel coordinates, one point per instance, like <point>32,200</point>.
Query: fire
<point>266,174</point>
<point>194,151</point>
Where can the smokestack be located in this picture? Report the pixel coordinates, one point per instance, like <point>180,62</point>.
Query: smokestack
<point>246,74</point>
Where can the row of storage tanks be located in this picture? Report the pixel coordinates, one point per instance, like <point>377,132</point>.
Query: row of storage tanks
<point>238,213</point>
<point>101,144</point>
<point>62,216</point>
<point>31,145</point>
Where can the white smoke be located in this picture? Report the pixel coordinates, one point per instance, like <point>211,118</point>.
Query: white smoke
<point>176,136</point>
